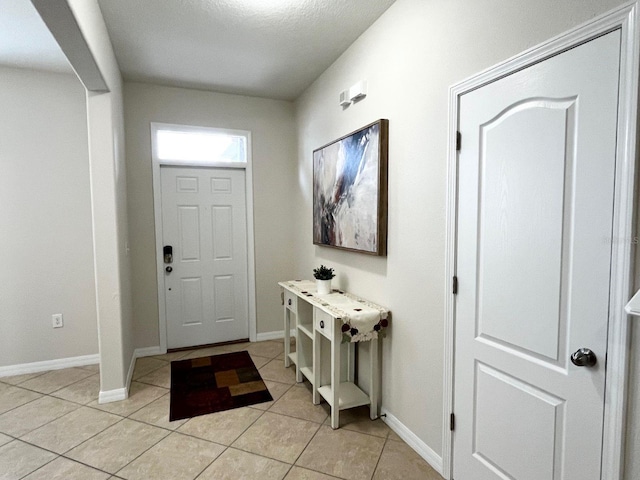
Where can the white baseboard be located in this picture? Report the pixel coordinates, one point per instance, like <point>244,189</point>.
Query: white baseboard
<point>113,395</point>
<point>58,364</point>
<point>411,439</point>
<point>123,393</point>
<point>276,335</point>
<point>148,351</point>
<point>118,394</point>
<point>104,397</point>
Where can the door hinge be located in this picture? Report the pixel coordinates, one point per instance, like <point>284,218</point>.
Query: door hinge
<point>458,141</point>
<point>452,422</point>
<point>454,287</point>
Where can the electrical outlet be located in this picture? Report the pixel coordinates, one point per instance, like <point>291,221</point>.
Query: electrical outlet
<point>57,321</point>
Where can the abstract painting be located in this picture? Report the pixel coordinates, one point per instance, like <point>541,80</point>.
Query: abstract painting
<point>350,191</point>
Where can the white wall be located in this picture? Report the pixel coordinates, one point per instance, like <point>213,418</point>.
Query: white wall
<point>45,219</point>
<point>410,57</point>
<point>271,123</point>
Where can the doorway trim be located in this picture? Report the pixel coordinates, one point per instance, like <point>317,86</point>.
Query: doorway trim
<point>157,210</point>
<point>625,18</point>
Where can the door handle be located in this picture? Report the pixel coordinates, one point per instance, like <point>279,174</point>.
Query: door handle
<point>583,357</point>
<point>167,252</point>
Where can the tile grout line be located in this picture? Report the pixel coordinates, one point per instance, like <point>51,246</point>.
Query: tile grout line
<point>134,378</point>
<point>311,469</point>
<point>64,455</point>
<point>20,385</point>
<point>257,455</point>
<point>75,446</point>
<point>60,398</point>
<point>373,473</point>
<point>293,416</point>
<point>212,462</point>
<point>227,447</point>
<point>191,435</point>
<point>46,423</point>
<point>169,431</point>
<point>72,383</point>
<point>22,405</point>
<point>324,422</point>
<point>37,374</point>
<point>307,446</point>
<point>121,419</point>
<point>42,394</point>
<point>41,466</point>
<point>58,418</point>
<point>141,454</point>
<point>253,423</point>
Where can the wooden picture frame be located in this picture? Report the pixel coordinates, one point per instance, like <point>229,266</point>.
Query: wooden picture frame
<point>350,191</point>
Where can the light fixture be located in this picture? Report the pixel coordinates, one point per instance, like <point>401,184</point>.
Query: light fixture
<point>345,101</point>
<point>354,94</point>
<point>358,91</point>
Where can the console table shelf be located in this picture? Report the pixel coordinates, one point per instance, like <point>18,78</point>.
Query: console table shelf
<point>306,330</point>
<point>293,356</point>
<point>321,357</point>
<point>350,395</point>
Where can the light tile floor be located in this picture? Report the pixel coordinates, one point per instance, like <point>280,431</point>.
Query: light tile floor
<point>52,427</point>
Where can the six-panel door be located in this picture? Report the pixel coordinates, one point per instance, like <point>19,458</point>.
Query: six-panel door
<point>204,220</point>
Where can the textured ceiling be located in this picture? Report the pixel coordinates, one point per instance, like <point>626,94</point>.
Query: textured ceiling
<point>25,41</point>
<point>265,48</point>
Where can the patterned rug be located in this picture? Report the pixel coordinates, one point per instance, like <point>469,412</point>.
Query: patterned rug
<point>212,384</point>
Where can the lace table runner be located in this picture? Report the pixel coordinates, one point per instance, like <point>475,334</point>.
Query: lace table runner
<point>361,320</point>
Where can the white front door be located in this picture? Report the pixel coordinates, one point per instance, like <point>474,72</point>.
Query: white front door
<point>204,222</point>
<point>535,215</point>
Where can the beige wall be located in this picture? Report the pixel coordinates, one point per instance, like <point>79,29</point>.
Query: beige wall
<point>45,220</point>
<point>271,123</point>
<point>632,460</point>
<point>632,463</point>
<point>109,205</point>
<point>410,57</point>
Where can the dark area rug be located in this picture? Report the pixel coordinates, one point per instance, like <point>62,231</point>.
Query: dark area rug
<point>213,384</point>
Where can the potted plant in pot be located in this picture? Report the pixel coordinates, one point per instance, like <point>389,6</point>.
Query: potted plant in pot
<point>323,276</point>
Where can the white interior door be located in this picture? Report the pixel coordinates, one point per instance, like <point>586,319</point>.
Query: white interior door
<point>535,210</point>
<point>204,220</point>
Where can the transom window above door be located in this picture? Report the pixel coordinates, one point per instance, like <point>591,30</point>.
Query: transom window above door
<point>177,144</point>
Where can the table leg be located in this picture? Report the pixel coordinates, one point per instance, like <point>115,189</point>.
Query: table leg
<point>351,362</point>
<point>317,349</point>
<point>299,377</point>
<point>287,337</point>
<point>335,375</point>
<point>374,378</point>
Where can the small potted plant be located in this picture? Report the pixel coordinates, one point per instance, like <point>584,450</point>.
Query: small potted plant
<point>323,276</point>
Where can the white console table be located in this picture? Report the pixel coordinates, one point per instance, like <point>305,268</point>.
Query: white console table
<point>319,321</point>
